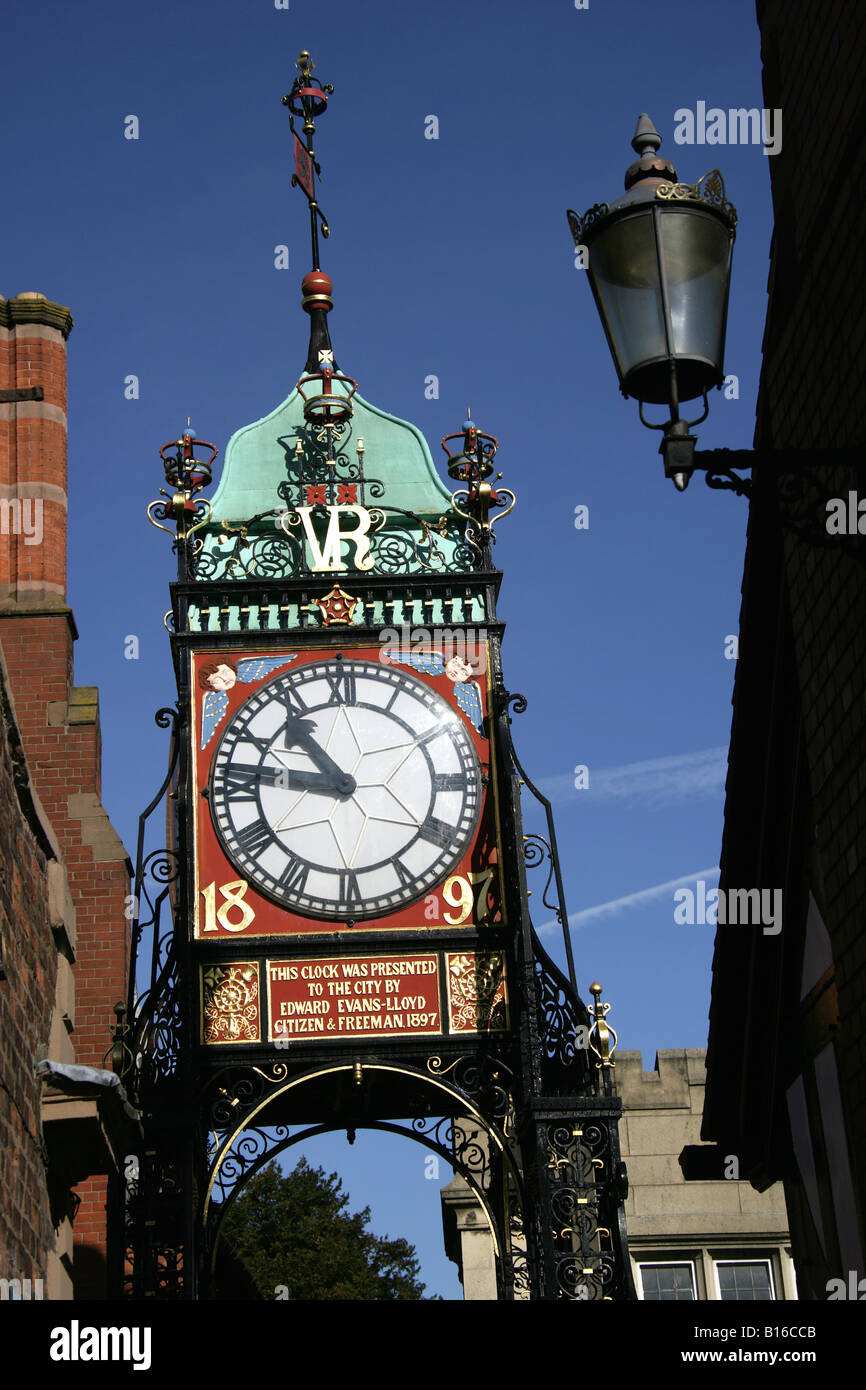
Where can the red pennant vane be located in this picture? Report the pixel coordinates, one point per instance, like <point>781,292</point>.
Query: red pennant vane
<point>303,167</point>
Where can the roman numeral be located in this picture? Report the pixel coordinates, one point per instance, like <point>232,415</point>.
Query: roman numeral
<point>294,877</point>
<point>448,782</point>
<point>350,893</point>
<point>406,878</point>
<point>293,702</point>
<point>262,744</point>
<point>254,837</point>
<point>342,683</point>
<point>241,782</point>
<point>439,832</point>
<point>429,735</point>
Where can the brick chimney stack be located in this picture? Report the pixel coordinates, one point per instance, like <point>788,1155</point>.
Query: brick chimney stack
<point>58,726</point>
<point>33,333</point>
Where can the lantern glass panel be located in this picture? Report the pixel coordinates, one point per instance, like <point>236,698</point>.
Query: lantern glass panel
<point>624,266</point>
<point>696,254</point>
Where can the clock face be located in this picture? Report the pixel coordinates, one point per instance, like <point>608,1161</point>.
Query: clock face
<point>345,788</point>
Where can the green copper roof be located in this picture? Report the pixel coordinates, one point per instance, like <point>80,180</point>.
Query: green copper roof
<point>259,457</point>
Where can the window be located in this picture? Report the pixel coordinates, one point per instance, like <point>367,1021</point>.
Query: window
<point>744,1280</point>
<point>667,1283</point>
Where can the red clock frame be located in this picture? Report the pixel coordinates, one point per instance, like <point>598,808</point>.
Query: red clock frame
<point>230,908</point>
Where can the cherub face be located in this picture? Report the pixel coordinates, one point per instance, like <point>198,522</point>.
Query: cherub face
<point>223,678</point>
<point>457,669</point>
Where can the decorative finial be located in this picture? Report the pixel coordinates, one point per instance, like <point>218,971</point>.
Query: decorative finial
<point>649,164</point>
<point>473,465</point>
<point>186,475</point>
<point>602,1038</point>
<point>646,138</point>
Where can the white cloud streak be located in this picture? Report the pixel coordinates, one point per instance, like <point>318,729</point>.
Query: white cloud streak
<point>654,783</point>
<point>576,920</point>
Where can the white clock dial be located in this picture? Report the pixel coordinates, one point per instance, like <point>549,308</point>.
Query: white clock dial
<point>345,788</point>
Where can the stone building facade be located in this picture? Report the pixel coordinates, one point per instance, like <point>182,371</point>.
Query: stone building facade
<point>712,1239</point>
<point>65,874</point>
<point>787,1056</point>
<point>716,1239</point>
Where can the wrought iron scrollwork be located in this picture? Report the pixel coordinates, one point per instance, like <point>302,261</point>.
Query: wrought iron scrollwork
<point>460,1140</point>
<point>152,1035</point>
<point>581,225</point>
<point>484,1079</point>
<point>577,1155</point>
<point>153,1268</point>
<point>563,1021</point>
<point>536,851</point>
<point>271,546</point>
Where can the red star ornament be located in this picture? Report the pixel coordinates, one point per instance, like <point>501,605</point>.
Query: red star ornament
<point>337,607</point>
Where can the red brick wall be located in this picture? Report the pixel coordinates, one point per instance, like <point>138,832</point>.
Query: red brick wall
<point>26,1004</point>
<point>59,724</point>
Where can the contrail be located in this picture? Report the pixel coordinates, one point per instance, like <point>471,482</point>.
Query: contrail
<point>644,895</point>
<point>655,782</point>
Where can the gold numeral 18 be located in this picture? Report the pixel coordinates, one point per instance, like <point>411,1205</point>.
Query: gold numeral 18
<point>233,898</point>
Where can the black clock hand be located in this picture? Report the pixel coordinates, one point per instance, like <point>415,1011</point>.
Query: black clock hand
<point>297,733</point>
<point>243,776</point>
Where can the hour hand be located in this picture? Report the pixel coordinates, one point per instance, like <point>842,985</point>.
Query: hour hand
<point>298,733</point>
<point>243,779</point>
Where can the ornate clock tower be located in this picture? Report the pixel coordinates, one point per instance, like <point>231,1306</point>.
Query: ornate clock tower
<point>338,927</point>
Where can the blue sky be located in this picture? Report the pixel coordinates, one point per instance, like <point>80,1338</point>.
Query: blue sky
<point>449,257</point>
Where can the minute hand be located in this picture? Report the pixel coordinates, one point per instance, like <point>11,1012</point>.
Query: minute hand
<point>298,734</point>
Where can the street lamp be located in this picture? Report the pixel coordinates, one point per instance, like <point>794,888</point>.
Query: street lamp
<point>659,263</point>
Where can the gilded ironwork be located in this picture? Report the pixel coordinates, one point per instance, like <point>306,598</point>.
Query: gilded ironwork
<point>709,189</point>
<point>476,502</point>
<point>583,1261</point>
<point>602,1038</point>
<point>402,544</point>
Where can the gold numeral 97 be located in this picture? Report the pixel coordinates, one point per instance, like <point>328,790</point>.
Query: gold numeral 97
<point>457,892</point>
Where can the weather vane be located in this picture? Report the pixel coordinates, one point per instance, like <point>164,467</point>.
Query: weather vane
<point>308,98</point>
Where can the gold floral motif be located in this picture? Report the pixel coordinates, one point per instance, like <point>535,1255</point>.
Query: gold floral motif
<point>476,991</point>
<point>231,1003</point>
